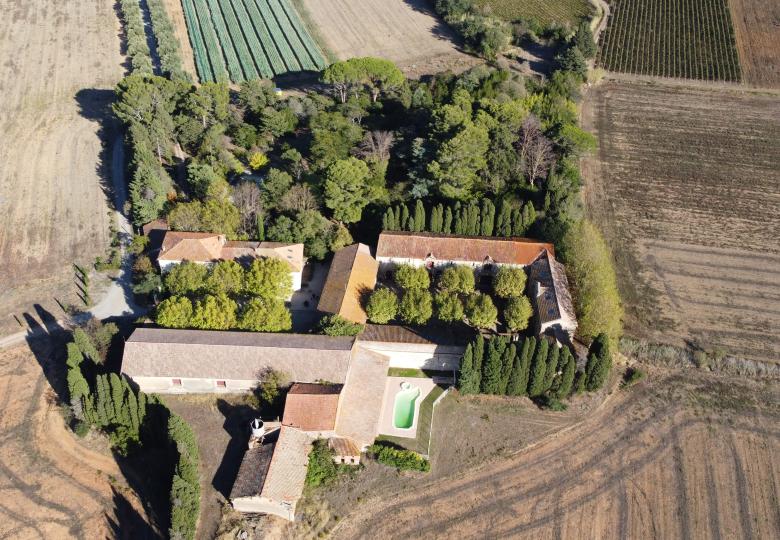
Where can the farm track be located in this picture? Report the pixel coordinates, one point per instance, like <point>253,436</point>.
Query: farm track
<point>634,469</point>
<point>692,211</point>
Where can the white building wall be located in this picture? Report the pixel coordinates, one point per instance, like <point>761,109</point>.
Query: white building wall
<point>418,356</point>
<point>165,385</point>
<point>263,505</point>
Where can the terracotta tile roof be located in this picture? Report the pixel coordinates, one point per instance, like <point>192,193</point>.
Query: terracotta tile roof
<point>392,333</point>
<point>352,273</point>
<point>208,247</point>
<point>287,471</point>
<point>254,468</point>
<point>312,407</point>
<point>361,400</point>
<point>408,245</point>
<point>156,225</point>
<point>211,354</point>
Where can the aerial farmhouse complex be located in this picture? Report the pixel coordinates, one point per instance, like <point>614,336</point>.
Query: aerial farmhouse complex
<point>345,389</point>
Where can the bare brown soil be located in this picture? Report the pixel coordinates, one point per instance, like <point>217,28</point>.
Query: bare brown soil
<point>686,187</point>
<point>58,64</point>
<point>55,485</point>
<point>757,27</point>
<point>677,456</point>
<point>407,32</point>
<point>175,12</point>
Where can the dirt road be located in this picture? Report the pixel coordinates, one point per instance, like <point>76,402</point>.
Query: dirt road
<point>54,486</point>
<point>58,65</point>
<point>637,468</point>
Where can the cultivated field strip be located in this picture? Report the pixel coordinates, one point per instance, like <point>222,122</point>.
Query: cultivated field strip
<point>687,189</point>
<point>758,33</point>
<point>672,38</point>
<point>544,12</point>
<point>240,40</point>
<point>636,473</point>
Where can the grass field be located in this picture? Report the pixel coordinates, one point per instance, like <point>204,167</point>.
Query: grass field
<point>686,187</point>
<point>676,38</point>
<point>757,26</point>
<point>633,468</point>
<point>561,11</point>
<point>241,40</point>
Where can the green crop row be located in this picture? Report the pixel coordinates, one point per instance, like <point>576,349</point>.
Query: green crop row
<point>247,39</point>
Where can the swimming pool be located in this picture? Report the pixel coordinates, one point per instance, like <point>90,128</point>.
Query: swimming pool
<point>403,408</point>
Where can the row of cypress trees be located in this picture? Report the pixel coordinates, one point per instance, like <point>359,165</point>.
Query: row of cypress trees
<point>528,367</point>
<point>135,422</point>
<point>473,219</point>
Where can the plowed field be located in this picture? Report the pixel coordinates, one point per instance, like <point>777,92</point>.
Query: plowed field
<point>757,26</point>
<point>686,187</point>
<point>679,456</point>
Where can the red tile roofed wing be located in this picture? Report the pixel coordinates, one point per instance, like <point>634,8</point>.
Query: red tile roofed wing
<point>190,246</point>
<point>312,407</point>
<point>405,245</point>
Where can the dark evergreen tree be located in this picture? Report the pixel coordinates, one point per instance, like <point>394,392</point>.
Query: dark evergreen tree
<point>504,220</point>
<point>508,362</point>
<point>472,220</point>
<point>479,355</point>
<point>418,221</point>
<point>447,225</point>
<point>459,225</point>
<point>517,223</point>
<point>514,385</point>
<point>488,218</point>
<point>404,223</point>
<point>526,354</point>
<point>599,363</point>
<point>468,382</point>
<point>529,215</point>
<point>564,384</point>
<point>492,367</point>
<point>388,220</point>
<point>552,366</point>
<point>538,369</point>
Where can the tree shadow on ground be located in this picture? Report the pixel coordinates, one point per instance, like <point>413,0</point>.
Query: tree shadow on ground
<point>46,339</point>
<point>440,28</point>
<point>237,419</point>
<point>127,523</point>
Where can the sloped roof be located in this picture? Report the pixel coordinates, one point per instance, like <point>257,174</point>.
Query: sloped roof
<point>343,447</point>
<point>312,407</point>
<point>213,354</point>
<point>554,299</point>
<point>414,245</point>
<point>440,335</point>
<point>352,273</point>
<point>254,468</point>
<point>208,247</point>
<point>287,471</point>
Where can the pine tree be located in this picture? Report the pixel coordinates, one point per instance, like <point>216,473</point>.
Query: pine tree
<point>504,220</point>
<point>552,366</point>
<point>418,222</point>
<point>509,357</point>
<point>488,217</point>
<point>599,363</point>
<point>492,367</point>
<point>538,369</point>
<point>447,225</point>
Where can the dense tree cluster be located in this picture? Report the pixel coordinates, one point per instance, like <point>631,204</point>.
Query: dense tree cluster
<point>485,35</point>
<point>227,295</point>
<point>517,368</point>
<point>137,424</point>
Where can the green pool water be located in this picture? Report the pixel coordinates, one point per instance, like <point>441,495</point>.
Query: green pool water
<point>403,409</point>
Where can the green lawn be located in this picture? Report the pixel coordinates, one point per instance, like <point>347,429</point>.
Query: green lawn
<point>417,373</point>
<point>422,442</point>
<point>544,11</point>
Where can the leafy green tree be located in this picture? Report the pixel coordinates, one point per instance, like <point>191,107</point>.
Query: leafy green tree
<point>340,238</point>
<point>345,189</point>
<point>174,312</point>
<point>278,122</point>
<point>268,278</point>
<point>200,177</point>
<point>449,307</point>
<point>459,160</point>
<point>333,136</point>
<point>509,282</point>
<point>214,312</point>
<point>185,278</point>
<point>517,313</point>
<point>275,184</point>
<point>382,306</point>
<point>309,227</point>
<point>265,315</point>
<point>480,311</point>
<point>416,306</point>
<point>220,217</point>
<point>225,277</point>
<point>335,325</point>
<point>410,277</point>
<point>599,363</point>
<point>457,279</point>
<point>186,216</point>
<point>538,369</point>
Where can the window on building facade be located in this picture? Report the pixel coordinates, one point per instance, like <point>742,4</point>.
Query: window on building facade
<point>221,384</point>
<point>176,382</point>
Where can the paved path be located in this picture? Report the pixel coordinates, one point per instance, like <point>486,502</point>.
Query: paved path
<point>118,299</point>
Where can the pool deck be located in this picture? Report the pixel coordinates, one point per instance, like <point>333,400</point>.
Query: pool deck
<point>392,387</point>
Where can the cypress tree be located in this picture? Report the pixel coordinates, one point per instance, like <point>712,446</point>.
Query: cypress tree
<point>526,354</point>
<point>579,382</point>
<point>567,378</point>
<point>488,217</point>
<point>479,357</point>
<point>529,215</point>
<point>101,401</point>
<point>387,220</point>
<point>404,222</point>
<point>510,355</point>
<point>552,366</point>
<point>447,225</point>
<point>473,220</point>
<point>260,227</point>
<point>492,367</point>
<point>517,223</point>
<point>418,222</point>
<point>459,226</point>
<point>538,369</point>
<point>513,387</point>
<point>504,220</point>
<point>397,218</point>
<point>75,357</point>
<point>117,399</point>
<point>466,371</point>
<point>599,363</point>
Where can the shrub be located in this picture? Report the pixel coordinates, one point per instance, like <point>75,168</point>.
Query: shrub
<point>80,429</point>
<point>382,306</point>
<point>632,376</point>
<point>399,458</point>
<point>509,282</point>
<point>257,160</point>
<point>321,470</point>
<point>335,325</point>
<point>599,363</point>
